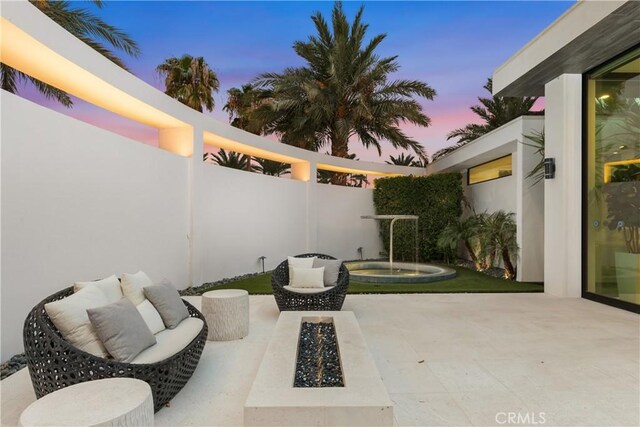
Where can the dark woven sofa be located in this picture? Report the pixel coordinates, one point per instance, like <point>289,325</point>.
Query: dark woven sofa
<point>329,300</point>
<point>54,363</point>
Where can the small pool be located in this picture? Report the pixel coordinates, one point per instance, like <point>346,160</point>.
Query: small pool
<point>381,272</point>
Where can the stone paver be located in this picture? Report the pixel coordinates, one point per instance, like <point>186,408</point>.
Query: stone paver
<point>446,359</point>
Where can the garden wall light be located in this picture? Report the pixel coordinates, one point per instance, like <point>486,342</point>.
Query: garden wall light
<point>549,168</point>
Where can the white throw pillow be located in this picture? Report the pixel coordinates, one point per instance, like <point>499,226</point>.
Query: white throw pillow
<point>308,277</point>
<point>132,285</point>
<point>151,316</point>
<point>110,286</point>
<point>69,315</point>
<point>299,263</point>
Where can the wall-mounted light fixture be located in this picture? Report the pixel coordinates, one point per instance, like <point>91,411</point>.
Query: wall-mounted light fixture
<point>360,252</point>
<point>549,168</point>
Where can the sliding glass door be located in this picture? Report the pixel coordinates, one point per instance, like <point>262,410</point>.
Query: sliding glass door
<point>612,181</point>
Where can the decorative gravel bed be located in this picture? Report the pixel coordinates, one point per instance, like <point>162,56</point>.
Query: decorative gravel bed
<point>199,290</point>
<point>12,366</point>
<point>318,361</point>
<point>496,272</point>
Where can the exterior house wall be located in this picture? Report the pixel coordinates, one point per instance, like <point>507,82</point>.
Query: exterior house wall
<point>513,194</point>
<point>490,196</point>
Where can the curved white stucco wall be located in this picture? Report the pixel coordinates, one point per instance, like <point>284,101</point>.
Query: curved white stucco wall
<point>82,203</point>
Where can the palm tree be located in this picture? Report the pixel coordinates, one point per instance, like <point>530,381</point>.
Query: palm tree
<point>446,150</point>
<point>241,102</point>
<point>86,26</point>
<point>498,238</point>
<point>494,112</point>
<point>231,159</point>
<point>271,167</point>
<point>537,142</point>
<point>467,232</point>
<point>189,80</point>
<point>407,160</point>
<point>344,91</point>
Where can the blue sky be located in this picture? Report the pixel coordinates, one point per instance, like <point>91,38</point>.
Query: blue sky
<point>453,46</point>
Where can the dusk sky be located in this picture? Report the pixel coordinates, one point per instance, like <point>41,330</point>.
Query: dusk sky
<point>453,46</point>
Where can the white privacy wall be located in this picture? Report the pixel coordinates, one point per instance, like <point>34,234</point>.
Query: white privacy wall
<point>248,215</point>
<point>81,203</point>
<point>341,231</point>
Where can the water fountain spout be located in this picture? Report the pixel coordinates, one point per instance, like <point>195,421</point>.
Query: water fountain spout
<point>393,219</point>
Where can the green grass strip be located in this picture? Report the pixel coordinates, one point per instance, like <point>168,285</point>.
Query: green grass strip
<point>467,281</point>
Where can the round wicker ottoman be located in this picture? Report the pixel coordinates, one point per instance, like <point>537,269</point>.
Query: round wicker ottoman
<point>227,314</point>
<point>108,402</point>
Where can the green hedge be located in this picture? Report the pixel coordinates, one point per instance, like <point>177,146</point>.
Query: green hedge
<point>436,199</point>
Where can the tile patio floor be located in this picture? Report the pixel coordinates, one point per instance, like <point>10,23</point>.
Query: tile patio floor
<point>457,359</point>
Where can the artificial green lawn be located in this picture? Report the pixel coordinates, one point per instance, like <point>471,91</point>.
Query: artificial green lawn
<point>467,281</point>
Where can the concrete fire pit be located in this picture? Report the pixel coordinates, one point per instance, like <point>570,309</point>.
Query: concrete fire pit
<point>274,401</point>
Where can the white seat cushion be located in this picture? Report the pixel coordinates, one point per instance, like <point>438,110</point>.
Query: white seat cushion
<point>171,341</point>
<point>307,277</point>
<point>298,263</point>
<point>151,317</point>
<point>70,317</point>
<point>309,290</point>
<point>110,286</point>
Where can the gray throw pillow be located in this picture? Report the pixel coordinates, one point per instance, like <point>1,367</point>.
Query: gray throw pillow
<point>121,329</point>
<point>166,299</point>
<point>331,270</point>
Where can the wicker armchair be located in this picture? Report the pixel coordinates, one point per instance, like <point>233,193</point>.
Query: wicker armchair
<point>330,300</point>
<point>54,363</point>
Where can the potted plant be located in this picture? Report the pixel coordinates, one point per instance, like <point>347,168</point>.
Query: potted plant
<point>622,195</point>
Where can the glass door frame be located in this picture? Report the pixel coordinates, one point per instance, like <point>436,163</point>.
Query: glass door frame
<point>625,305</point>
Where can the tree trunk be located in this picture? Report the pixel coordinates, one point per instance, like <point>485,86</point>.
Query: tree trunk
<point>472,254</point>
<point>339,148</point>
<point>508,266</point>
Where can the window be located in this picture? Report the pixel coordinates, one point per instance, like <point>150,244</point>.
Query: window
<point>494,169</point>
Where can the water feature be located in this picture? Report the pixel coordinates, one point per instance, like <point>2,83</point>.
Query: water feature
<point>394,272</point>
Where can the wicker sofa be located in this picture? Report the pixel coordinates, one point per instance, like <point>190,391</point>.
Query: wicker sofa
<point>54,363</point>
<point>326,300</point>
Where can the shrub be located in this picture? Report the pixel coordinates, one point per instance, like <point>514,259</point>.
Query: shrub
<point>435,199</point>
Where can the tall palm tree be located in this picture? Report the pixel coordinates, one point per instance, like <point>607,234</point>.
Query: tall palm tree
<point>241,102</point>
<point>271,167</point>
<point>231,159</point>
<point>190,80</point>
<point>407,160</point>
<point>494,112</point>
<point>86,26</point>
<point>344,91</point>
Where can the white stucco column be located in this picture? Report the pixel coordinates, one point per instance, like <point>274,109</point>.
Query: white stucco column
<point>562,215</point>
<point>197,251</point>
<point>308,172</point>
